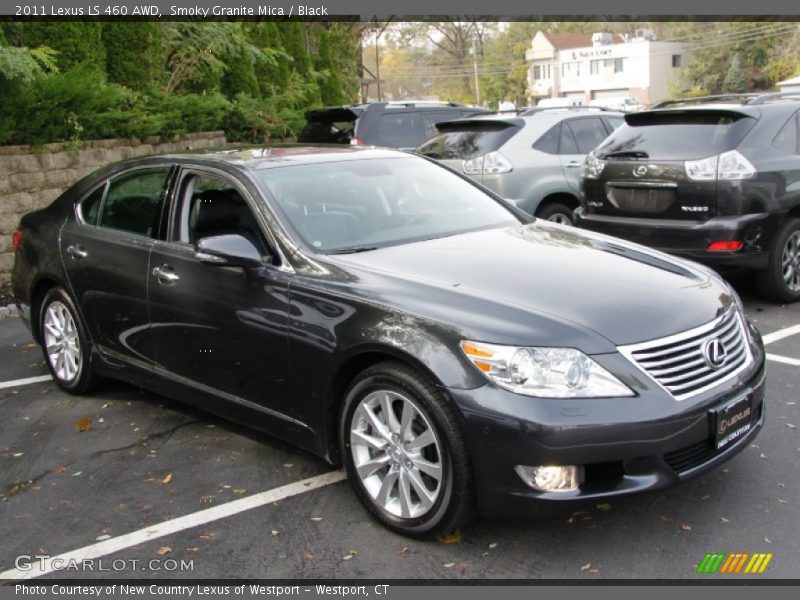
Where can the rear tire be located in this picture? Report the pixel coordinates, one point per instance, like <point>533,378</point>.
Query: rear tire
<point>65,344</point>
<point>557,213</point>
<point>404,452</point>
<point>780,281</point>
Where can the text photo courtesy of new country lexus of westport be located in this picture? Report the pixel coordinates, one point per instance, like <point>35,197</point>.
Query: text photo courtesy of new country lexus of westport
<point>457,356</point>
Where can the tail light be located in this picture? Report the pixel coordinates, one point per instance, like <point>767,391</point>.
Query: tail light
<point>354,141</point>
<point>491,163</point>
<point>593,166</point>
<point>16,238</point>
<point>728,166</point>
<point>725,246</point>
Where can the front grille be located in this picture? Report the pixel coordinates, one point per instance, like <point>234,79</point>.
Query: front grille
<point>679,364</point>
<point>691,456</point>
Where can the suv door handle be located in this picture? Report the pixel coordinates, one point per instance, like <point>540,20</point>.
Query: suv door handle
<point>77,251</point>
<point>573,165</point>
<point>165,275</point>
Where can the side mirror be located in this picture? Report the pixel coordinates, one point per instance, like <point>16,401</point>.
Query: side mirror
<point>230,250</point>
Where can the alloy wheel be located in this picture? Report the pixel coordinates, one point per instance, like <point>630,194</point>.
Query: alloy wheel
<point>560,218</point>
<point>397,454</point>
<point>790,261</point>
<point>62,343</point>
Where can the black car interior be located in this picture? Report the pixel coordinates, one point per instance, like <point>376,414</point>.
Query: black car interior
<point>221,212</point>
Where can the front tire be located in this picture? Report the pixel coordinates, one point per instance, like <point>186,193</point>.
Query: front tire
<point>557,213</point>
<point>65,343</point>
<point>781,280</point>
<point>404,452</point>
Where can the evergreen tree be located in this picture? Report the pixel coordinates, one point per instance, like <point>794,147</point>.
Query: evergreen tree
<point>330,85</point>
<point>735,81</point>
<point>75,42</point>
<point>132,52</point>
<point>240,75</point>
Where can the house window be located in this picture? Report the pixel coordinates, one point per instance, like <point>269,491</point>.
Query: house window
<point>537,72</point>
<point>676,61</point>
<point>618,65</point>
<point>594,67</point>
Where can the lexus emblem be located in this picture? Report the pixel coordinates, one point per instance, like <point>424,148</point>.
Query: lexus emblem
<point>640,171</point>
<point>715,353</point>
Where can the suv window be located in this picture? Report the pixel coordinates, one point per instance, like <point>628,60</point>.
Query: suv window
<point>548,142</point>
<point>133,202</point>
<point>468,139</point>
<point>787,137</point>
<point>614,123</point>
<point>678,135</point>
<point>401,130</point>
<point>567,144</point>
<point>589,133</point>
<point>90,206</point>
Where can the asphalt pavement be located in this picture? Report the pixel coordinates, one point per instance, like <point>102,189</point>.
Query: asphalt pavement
<point>79,473</point>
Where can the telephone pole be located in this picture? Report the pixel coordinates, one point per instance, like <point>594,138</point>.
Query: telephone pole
<point>475,70</point>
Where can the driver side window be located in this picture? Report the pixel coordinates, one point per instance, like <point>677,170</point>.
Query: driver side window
<point>213,206</point>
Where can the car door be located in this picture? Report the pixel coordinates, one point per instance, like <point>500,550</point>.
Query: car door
<point>106,252</point>
<point>579,137</point>
<point>221,329</point>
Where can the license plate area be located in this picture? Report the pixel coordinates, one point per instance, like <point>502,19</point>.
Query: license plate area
<point>732,421</point>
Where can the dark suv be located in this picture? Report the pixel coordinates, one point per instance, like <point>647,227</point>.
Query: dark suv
<point>715,179</point>
<point>403,125</point>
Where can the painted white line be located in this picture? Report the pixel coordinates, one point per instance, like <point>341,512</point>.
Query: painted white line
<point>780,334</point>
<point>26,381</point>
<point>195,519</point>
<point>783,359</point>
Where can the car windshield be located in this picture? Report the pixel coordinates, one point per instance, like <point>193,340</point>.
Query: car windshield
<point>358,205</point>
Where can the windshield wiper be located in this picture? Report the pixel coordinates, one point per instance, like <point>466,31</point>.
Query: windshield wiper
<point>627,154</point>
<point>353,250</point>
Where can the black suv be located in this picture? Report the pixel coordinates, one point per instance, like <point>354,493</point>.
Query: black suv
<point>403,125</point>
<point>715,179</point>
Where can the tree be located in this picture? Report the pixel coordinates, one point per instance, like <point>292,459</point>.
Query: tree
<point>76,42</point>
<point>132,52</point>
<point>735,82</point>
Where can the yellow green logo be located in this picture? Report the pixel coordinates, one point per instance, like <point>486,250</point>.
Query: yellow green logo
<point>734,563</point>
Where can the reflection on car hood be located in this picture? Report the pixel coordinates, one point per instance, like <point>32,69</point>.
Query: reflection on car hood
<point>621,291</point>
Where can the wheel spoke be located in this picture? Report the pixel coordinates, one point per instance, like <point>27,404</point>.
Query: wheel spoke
<point>388,414</point>
<point>424,439</point>
<point>52,329</point>
<point>406,419</point>
<point>377,425</point>
<point>387,486</point>
<point>427,467</point>
<point>404,493</point>
<point>359,437</point>
<point>374,464</point>
<point>426,498</point>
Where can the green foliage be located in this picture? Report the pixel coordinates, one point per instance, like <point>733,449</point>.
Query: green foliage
<point>76,42</point>
<point>330,85</point>
<point>132,52</point>
<point>735,81</point>
<point>240,74</point>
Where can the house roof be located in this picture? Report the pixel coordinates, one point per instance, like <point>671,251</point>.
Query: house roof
<point>564,41</point>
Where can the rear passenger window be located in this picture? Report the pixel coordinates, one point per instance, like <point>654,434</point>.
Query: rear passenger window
<point>401,130</point>
<point>588,134</point>
<point>786,140</point>
<point>548,142</point>
<point>568,145</point>
<point>133,202</point>
<point>90,206</point>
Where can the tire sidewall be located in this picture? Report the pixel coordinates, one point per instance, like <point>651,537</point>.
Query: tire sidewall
<point>81,382</point>
<point>775,269</point>
<point>552,209</point>
<point>373,381</point>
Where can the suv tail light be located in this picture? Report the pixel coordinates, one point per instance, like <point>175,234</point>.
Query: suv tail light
<point>593,166</point>
<point>16,238</point>
<point>727,166</point>
<point>491,163</point>
<point>354,141</point>
<point>725,246</point>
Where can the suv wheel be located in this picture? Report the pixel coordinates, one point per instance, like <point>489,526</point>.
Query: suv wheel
<point>404,451</point>
<point>781,280</point>
<point>557,213</point>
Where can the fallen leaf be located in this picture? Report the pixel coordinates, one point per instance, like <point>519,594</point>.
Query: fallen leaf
<point>791,426</point>
<point>316,519</point>
<point>347,557</point>
<point>83,424</point>
<point>308,556</point>
<point>704,498</point>
<point>107,404</point>
<point>77,473</point>
<point>17,454</point>
<point>192,549</point>
<point>206,536</point>
<point>762,455</point>
<point>288,465</point>
<point>724,520</point>
<point>666,519</point>
<point>453,537</point>
<point>782,501</point>
<point>449,565</point>
<point>586,567</point>
<point>766,539</point>
<point>605,506</point>
<point>493,545</point>
<point>164,550</point>
<point>463,565</point>
<point>275,532</point>
<point>593,571</point>
<point>402,551</point>
<point>100,538</point>
<point>239,491</point>
<point>167,479</point>
<point>686,527</point>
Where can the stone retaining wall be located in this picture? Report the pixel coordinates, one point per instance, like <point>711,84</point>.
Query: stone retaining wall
<point>31,178</point>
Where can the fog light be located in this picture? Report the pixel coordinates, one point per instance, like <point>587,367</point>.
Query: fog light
<point>550,478</point>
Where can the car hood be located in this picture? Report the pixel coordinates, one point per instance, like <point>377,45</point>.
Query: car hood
<point>545,283</point>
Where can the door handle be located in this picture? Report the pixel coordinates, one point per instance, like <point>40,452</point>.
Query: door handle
<point>165,275</point>
<point>573,165</point>
<point>77,251</point>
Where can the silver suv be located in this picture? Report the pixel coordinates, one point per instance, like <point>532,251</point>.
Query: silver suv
<point>533,159</point>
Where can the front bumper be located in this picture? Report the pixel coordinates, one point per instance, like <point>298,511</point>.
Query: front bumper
<point>624,445</point>
<point>690,239</point>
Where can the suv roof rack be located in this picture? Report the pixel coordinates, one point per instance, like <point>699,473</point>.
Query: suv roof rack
<point>415,103</point>
<point>769,97</point>
<point>704,99</point>
<point>527,112</point>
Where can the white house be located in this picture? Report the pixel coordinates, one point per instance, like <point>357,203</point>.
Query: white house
<point>602,66</point>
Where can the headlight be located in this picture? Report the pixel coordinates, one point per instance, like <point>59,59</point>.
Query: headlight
<point>544,372</point>
<point>593,166</point>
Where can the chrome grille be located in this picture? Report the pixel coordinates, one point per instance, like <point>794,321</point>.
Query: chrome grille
<point>679,364</point>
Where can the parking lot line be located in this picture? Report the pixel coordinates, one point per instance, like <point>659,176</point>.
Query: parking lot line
<point>783,359</point>
<point>158,530</point>
<point>26,381</point>
<point>780,334</point>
